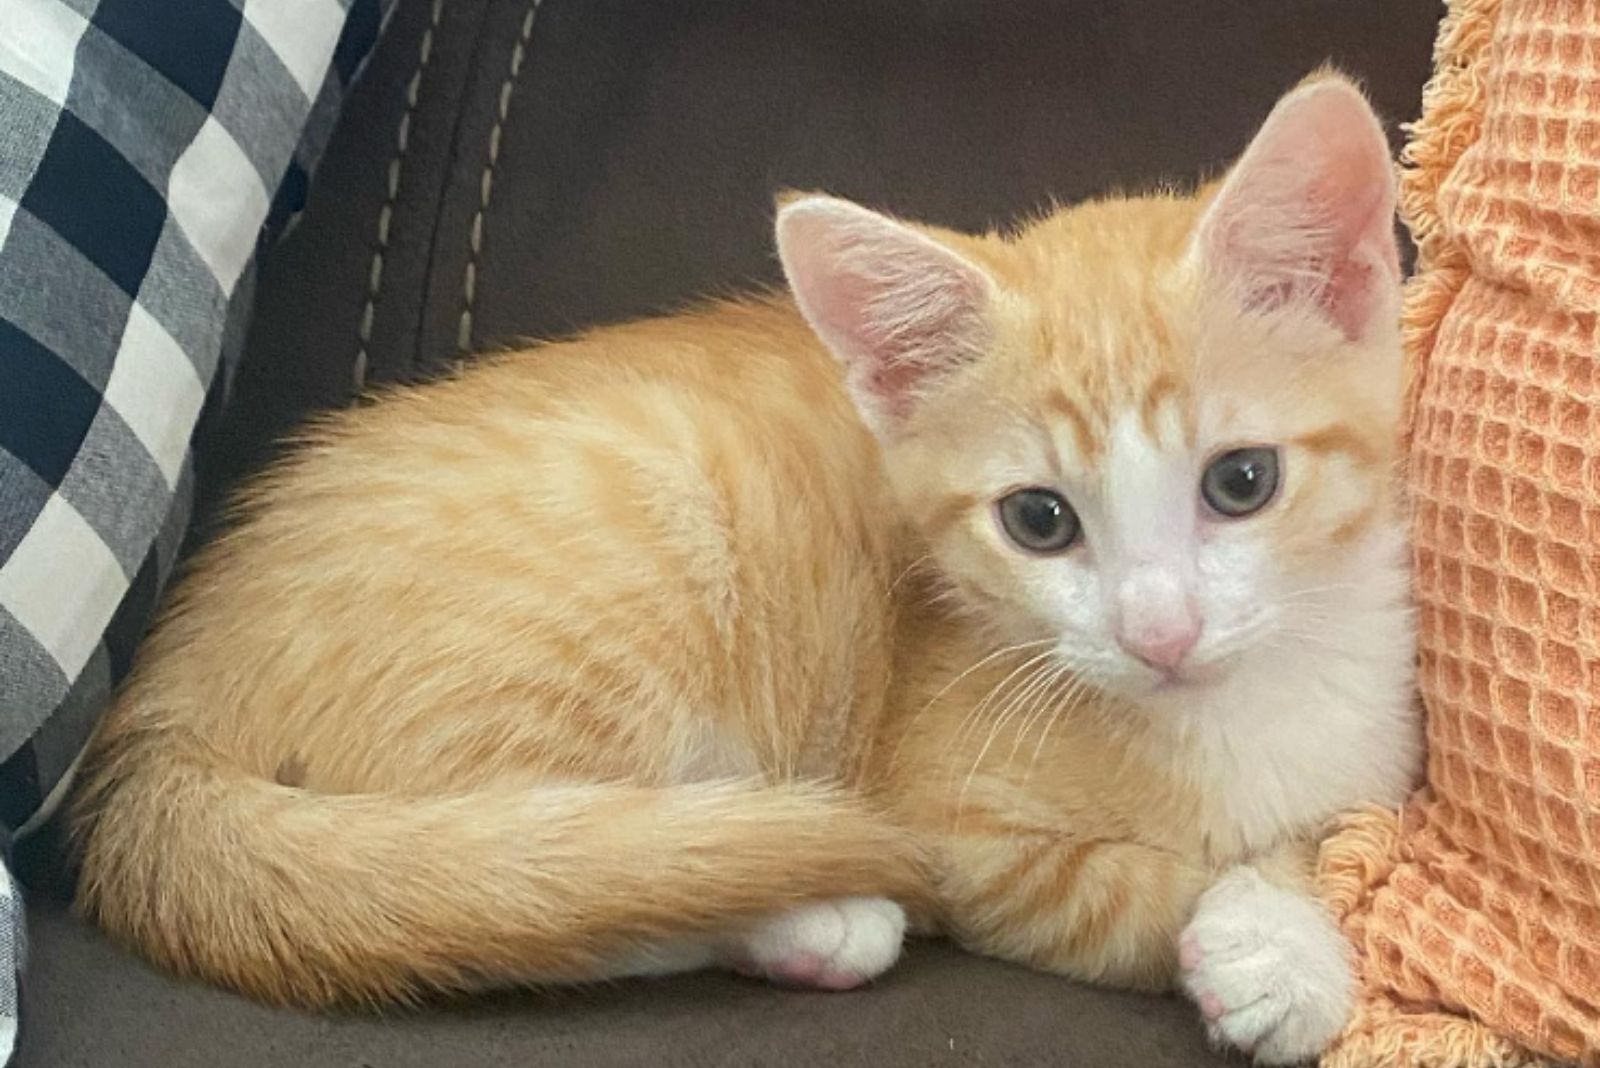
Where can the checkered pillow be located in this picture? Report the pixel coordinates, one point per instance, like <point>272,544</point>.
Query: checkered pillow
<point>145,148</point>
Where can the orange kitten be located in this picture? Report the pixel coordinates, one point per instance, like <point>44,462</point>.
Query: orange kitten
<point>1063,616</point>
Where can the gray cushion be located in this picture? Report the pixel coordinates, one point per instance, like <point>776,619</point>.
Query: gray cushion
<point>92,1006</point>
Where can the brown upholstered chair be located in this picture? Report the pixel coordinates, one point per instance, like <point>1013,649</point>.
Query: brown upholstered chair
<point>514,169</point>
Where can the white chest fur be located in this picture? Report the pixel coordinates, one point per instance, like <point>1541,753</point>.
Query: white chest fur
<point>1287,741</point>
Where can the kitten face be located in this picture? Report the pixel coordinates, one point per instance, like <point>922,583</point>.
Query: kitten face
<point>1157,431</point>
<point>1210,503</point>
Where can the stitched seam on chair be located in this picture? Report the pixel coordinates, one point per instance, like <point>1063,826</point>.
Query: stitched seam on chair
<point>402,141</point>
<point>469,284</point>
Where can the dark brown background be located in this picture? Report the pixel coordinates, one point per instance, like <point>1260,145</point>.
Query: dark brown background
<point>641,148</point>
<point>645,139</point>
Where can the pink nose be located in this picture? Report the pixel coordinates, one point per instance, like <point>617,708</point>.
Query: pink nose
<point>1163,647</point>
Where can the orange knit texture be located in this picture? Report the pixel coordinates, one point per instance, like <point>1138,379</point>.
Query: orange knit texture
<point>1477,912</point>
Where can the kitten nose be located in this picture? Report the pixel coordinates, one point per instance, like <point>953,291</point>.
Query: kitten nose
<point>1157,619</point>
<point>1163,646</point>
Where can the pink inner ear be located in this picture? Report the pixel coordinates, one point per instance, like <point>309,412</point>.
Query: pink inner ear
<point>895,306</point>
<point>1356,285</point>
<point>1307,216</point>
<point>918,325</point>
<point>896,385</point>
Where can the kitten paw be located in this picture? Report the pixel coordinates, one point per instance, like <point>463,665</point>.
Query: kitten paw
<point>833,945</point>
<point>1268,968</point>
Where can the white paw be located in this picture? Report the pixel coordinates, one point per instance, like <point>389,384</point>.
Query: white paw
<point>833,945</point>
<point>1268,968</point>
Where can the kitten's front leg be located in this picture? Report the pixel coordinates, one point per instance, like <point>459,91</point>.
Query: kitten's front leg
<point>1265,962</point>
<point>1100,910</point>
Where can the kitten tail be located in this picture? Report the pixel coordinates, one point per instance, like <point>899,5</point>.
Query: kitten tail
<point>323,900</point>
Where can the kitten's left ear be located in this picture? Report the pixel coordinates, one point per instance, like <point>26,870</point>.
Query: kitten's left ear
<point>899,309</point>
<point>1306,217</point>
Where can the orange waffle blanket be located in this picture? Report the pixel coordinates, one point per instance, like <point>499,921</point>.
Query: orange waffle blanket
<point>1476,912</point>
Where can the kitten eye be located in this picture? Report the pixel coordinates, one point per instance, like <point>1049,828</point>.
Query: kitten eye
<point>1039,520</point>
<point>1241,482</point>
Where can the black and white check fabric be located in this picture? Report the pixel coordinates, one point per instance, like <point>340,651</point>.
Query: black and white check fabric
<point>146,146</point>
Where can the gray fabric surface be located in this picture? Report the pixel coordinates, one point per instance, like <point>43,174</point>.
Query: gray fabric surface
<point>91,1006</point>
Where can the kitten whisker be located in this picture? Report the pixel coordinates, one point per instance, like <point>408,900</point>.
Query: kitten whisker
<point>997,724</point>
<point>913,566</point>
<point>975,715</point>
<point>1042,707</point>
<point>947,687</point>
<point>1077,693</point>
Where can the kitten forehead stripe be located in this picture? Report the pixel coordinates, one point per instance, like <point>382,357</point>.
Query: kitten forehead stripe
<point>1352,528</point>
<point>1059,404</point>
<point>1163,389</point>
<point>1339,438</point>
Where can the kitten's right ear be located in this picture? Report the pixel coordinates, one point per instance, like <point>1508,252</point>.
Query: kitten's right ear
<point>898,308</point>
<point>1306,217</point>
